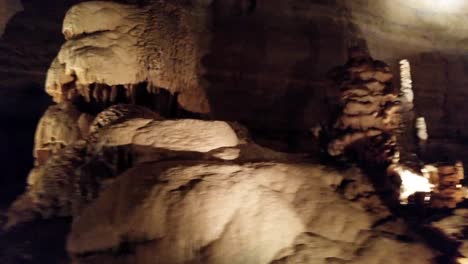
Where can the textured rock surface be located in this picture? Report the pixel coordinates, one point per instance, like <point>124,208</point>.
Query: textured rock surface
<point>180,203</point>
<point>118,44</point>
<point>257,62</point>
<point>57,128</point>
<point>74,175</point>
<point>221,66</point>
<point>290,213</point>
<point>369,108</point>
<point>263,58</point>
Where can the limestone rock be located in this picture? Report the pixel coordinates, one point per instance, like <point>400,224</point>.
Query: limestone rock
<point>57,128</point>
<point>370,108</point>
<point>188,135</point>
<point>268,212</point>
<point>127,45</point>
<point>76,174</point>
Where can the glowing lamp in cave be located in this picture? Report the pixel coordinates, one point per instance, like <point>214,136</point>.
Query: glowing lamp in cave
<point>412,183</point>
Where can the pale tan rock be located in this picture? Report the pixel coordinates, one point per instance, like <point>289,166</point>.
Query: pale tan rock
<point>127,45</point>
<point>186,134</point>
<point>226,153</point>
<point>269,213</point>
<point>57,128</point>
<point>179,135</point>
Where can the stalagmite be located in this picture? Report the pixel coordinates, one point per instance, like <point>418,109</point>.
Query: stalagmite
<point>421,128</point>
<point>406,82</point>
<point>370,108</point>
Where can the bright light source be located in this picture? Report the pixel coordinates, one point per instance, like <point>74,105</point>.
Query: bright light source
<point>412,183</point>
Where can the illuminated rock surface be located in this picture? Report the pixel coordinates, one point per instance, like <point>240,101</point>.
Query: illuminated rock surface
<point>209,212</point>
<point>183,190</point>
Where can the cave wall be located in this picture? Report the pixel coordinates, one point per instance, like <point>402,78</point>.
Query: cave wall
<point>8,8</point>
<point>27,46</point>
<point>266,64</point>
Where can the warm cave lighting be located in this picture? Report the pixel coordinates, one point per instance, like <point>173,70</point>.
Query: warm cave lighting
<point>412,183</point>
<point>441,5</point>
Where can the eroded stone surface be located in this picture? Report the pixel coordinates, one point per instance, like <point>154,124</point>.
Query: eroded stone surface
<point>208,212</point>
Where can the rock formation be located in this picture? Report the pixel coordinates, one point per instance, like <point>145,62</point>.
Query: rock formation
<point>142,187</point>
<point>158,204</point>
<point>370,108</point>
<point>125,46</point>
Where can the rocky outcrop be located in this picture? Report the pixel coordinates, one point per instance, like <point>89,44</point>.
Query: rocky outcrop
<point>76,174</point>
<point>211,212</point>
<point>58,127</point>
<point>370,110</point>
<point>186,190</point>
<point>127,45</point>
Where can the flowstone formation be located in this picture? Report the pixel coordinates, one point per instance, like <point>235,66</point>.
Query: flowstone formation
<point>141,186</point>
<point>121,53</point>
